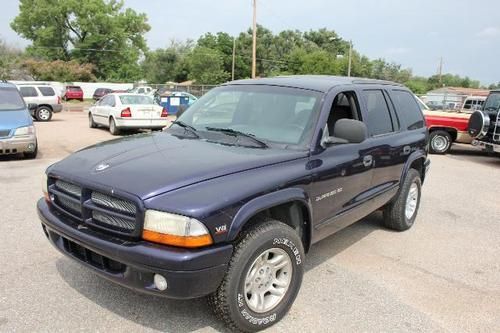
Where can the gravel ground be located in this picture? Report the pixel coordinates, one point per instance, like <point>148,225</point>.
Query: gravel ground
<point>442,275</point>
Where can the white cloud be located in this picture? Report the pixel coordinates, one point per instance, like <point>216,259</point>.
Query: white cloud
<point>489,32</point>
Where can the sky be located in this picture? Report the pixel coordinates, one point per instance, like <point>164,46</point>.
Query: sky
<point>413,33</point>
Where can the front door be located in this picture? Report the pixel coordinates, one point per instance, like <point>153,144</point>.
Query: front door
<point>341,174</point>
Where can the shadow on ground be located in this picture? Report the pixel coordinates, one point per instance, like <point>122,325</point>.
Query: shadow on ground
<point>189,315</point>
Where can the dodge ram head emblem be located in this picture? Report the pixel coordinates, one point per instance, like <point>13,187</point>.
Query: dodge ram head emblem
<point>102,166</point>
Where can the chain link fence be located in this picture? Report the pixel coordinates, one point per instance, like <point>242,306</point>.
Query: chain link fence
<point>196,90</point>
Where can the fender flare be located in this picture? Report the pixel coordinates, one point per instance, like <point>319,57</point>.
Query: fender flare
<point>419,154</point>
<point>264,202</point>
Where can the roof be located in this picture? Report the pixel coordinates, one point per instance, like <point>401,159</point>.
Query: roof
<point>322,83</point>
<point>460,91</point>
<point>5,84</point>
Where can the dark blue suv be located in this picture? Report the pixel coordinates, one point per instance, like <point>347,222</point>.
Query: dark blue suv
<point>227,201</point>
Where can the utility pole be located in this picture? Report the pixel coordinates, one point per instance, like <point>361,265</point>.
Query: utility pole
<point>234,58</point>
<point>254,46</point>
<point>440,72</point>
<point>350,59</point>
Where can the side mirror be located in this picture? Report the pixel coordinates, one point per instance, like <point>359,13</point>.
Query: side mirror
<point>347,131</point>
<point>32,106</point>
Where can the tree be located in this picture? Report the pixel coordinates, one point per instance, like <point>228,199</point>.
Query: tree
<point>10,62</point>
<point>207,66</point>
<point>164,65</point>
<point>58,70</point>
<point>99,32</point>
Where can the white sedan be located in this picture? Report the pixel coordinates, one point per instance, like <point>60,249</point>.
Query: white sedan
<point>127,111</point>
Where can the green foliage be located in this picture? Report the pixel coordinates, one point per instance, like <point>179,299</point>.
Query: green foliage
<point>98,32</point>
<point>58,70</point>
<point>207,66</point>
<point>10,60</point>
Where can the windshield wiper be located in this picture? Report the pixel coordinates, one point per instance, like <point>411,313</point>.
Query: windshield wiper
<point>190,128</point>
<point>233,132</point>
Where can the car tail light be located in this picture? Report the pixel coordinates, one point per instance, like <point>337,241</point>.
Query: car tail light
<point>164,112</point>
<point>126,113</point>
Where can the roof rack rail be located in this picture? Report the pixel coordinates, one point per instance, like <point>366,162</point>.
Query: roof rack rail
<point>33,84</point>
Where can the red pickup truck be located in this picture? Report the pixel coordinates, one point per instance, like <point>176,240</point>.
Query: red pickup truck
<point>446,127</point>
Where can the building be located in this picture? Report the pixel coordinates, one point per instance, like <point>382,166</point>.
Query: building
<point>452,97</point>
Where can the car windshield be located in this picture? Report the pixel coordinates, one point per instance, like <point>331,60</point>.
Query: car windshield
<point>136,99</point>
<point>279,115</point>
<point>10,100</point>
<point>492,102</point>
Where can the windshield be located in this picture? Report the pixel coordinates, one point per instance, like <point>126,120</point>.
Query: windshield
<point>136,99</point>
<point>492,103</point>
<point>10,100</point>
<point>274,114</point>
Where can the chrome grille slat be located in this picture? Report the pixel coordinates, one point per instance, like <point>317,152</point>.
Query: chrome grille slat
<point>69,188</point>
<point>70,205</point>
<point>114,221</point>
<point>119,205</point>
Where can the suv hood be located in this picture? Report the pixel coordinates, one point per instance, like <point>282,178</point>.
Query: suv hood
<point>151,164</point>
<point>14,119</point>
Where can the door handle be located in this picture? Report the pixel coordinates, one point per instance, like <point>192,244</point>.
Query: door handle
<point>367,160</point>
<point>406,150</point>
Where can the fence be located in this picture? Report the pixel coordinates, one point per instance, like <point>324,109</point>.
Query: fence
<point>197,90</point>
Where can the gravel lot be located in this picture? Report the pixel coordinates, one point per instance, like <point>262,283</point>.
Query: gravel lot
<point>442,275</point>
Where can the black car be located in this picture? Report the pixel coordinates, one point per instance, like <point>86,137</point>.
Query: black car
<point>227,201</point>
<point>101,92</point>
<point>484,125</point>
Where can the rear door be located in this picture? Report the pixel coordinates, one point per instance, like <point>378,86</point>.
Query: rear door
<point>47,95</point>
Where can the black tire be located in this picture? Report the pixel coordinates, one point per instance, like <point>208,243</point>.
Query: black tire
<point>112,127</point>
<point>43,113</point>
<point>395,216</point>
<point>230,303</point>
<point>439,142</point>
<point>92,123</point>
<point>33,154</point>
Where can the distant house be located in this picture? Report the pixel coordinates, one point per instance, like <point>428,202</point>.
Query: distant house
<point>452,97</point>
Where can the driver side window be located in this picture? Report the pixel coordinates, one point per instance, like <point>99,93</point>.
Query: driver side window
<point>344,106</point>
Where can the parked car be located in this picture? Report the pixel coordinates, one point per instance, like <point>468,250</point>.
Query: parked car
<point>100,92</point>
<point>227,201</point>
<point>141,90</point>
<point>484,125</point>
<point>445,128</point>
<point>17,133</point>
<point>473,103</point>
<point>127,111</point>
<point>44,96</point>
<point>73,92</point>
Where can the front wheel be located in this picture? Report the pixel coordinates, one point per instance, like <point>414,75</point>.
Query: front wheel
<point>263,278</point>
<point>43,113</point>
<point>439,142</point>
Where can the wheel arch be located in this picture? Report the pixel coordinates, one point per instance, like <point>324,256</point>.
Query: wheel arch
<point>415,161</point>
<point>45,105</point>
<point>291,206</point>
<point>450,130</point>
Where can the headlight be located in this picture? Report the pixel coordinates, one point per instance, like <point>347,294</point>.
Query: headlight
<point>176,230</point>
<point>45,189</point>
<point>24,130</point>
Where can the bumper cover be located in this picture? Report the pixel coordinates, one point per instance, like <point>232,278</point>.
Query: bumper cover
<point>189,273</point>
<point>141,123</point>
<point>486,146</point>
<point>57,108</point>
<point>14,145</point>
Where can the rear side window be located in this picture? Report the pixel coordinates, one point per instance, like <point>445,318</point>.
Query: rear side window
<point>408,109</point>
<point>47,91</point>
<point>379,119</point>
<point>28,91</point>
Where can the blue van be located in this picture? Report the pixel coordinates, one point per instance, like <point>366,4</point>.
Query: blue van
<point>17,133</point>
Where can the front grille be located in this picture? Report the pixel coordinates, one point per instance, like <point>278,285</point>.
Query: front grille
<point>90,257</point>
<point>95,208</point>
<point>4,133</point>
<point>119,205</point>
<point>114,221</point>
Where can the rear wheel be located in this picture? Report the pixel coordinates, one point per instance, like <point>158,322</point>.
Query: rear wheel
<point>440,142</point>
<point>112,127</point>
<point>263,278</point>
<point>43,113</point>
<point>400,214</point>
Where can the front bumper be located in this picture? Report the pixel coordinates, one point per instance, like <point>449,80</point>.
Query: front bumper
<point>486,146</point>
<point>15,145</point>
<point>189,273</point>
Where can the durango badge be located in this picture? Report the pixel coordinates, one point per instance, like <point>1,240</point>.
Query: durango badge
<point>101,167</point>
